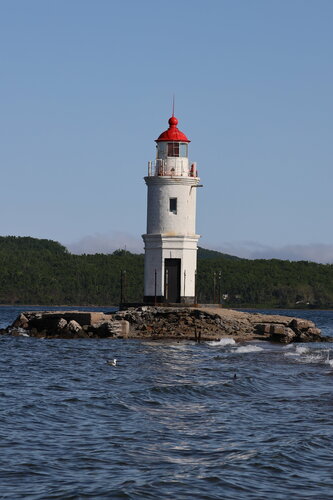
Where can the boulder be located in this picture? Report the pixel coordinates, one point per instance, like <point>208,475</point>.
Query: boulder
<point>263,328</point>
<point>310,335</point>
<point>61,324</point>
<point>282,334</point>
<point>314,331</point>
<point>116,328</point>
<point>73,326</point>
<point>277,329</point>
<point>301,324</point>
<point>21,322</point>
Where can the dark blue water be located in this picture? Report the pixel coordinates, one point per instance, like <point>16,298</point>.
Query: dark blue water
<point>170,421</point>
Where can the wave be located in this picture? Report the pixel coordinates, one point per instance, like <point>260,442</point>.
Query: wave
<point>21,332</point>
<point>303,354</point>
<point>231,342</point>
<point>248,348</point>
<point>221,342</point>
<point>301,350</point>
<point>329,361</point>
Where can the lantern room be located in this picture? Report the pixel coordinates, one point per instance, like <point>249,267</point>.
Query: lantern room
<point>172,154</point>
<point>171,149</point>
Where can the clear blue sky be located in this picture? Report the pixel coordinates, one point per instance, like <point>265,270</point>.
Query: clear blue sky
<point>86,86</point>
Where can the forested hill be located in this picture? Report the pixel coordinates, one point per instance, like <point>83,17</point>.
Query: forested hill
<point>203,253</point>
<point>34,271</point>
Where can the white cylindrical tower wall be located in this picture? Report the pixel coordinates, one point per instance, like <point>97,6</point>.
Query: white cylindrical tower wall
<point>171,205</point>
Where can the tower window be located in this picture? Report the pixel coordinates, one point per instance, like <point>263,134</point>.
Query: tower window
<point>173,205</point>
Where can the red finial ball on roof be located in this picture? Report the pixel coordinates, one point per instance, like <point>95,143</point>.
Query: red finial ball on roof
<point>173,122</point>
<point>173,133</point>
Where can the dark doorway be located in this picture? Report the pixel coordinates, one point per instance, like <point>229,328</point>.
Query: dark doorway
<point>172,280</point>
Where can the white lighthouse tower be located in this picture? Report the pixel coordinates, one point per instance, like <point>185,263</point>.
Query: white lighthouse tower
<point>171,241</point>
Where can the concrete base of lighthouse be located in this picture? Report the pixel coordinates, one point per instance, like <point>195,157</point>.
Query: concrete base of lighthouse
<point>170,268</point>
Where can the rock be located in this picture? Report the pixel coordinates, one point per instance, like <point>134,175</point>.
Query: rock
<point>61,324</point>
<point>277,329</point>
<point>263,328</point>
<point>280,333</point>
<point>74,326</point>
<point>301,324</point>
<point>314,331</point>
<point>82,334</point>
<point>19,332</point>
<point>310,335</point>
<point>21,322</point>
<point>117,328</point>
<point>289,335</point>
<point>14,332</point>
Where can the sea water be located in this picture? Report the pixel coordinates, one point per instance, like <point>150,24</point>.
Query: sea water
<point>216,420</point>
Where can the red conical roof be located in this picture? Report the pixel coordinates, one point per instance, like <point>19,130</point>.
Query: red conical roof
<point>173,133</point>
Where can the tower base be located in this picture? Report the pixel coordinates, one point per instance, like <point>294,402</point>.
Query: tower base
<point>170,268</point>
<point>184,301</point>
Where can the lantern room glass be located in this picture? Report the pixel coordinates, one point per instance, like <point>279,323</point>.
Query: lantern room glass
<point>177,149</point>
<point>183,147</point>
<point>171,149</point>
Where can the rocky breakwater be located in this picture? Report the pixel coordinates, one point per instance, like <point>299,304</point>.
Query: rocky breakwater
<point>161,323</point>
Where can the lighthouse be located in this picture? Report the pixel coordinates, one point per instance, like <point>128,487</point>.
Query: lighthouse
<point>171,241</point>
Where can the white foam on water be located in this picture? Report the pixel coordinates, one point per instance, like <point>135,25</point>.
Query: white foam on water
<point>22,332</point>
<point>321,356</point>
<point>311,358</point>
<point>301,350</point>
<point>306,355</point>
<point>328,361</point>
<point>248,348</point>
<point>221,342</point>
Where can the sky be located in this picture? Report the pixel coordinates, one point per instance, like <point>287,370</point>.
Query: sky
<point>86,87</point>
